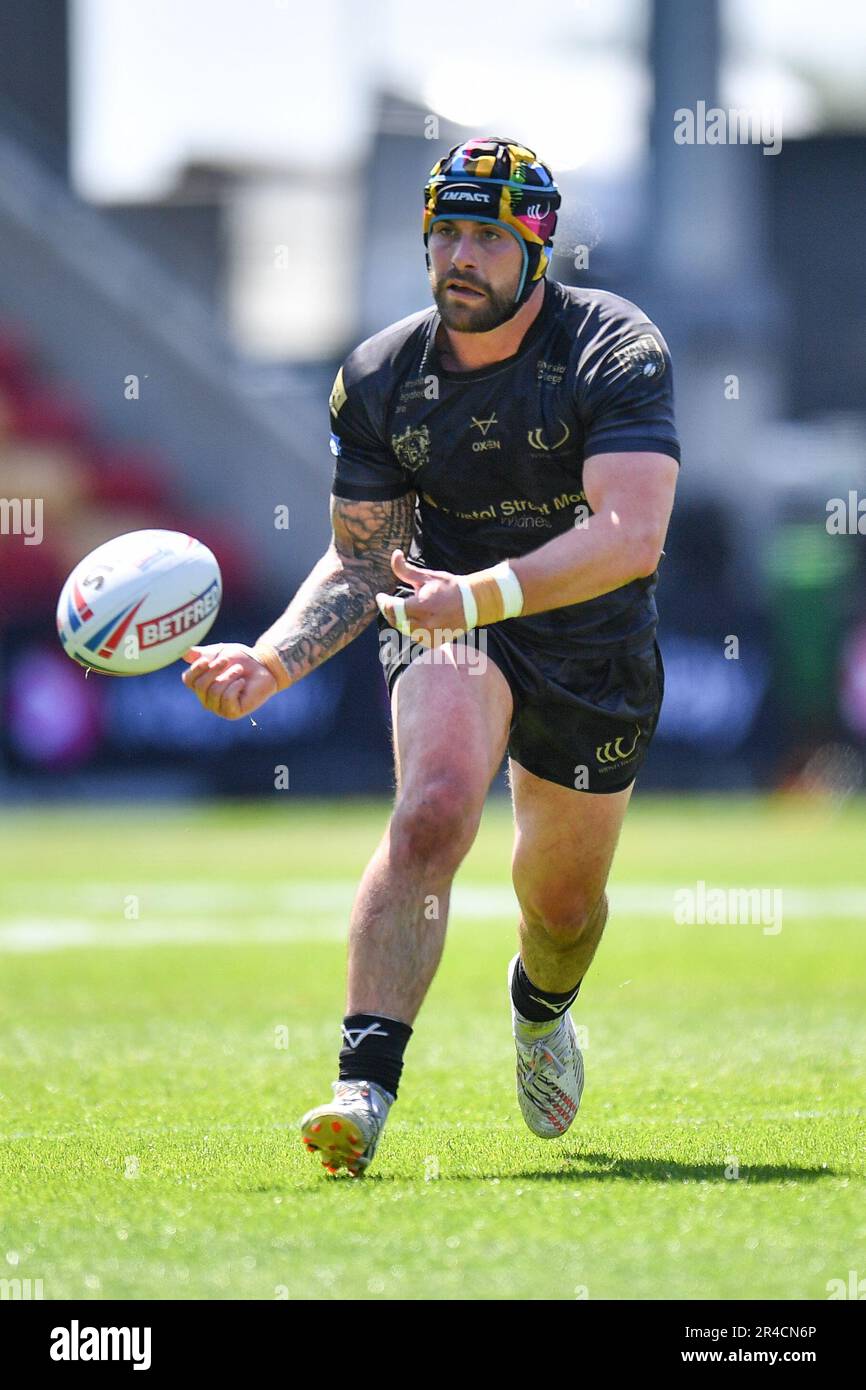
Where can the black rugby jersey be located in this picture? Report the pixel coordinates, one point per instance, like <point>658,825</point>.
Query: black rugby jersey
<point>495,455</point>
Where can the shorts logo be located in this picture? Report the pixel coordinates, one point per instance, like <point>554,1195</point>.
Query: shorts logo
<point>614,752</point>
<point>536,441</point>
<point>412,447</point>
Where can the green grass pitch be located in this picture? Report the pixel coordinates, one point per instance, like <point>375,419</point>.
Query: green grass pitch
<point>171,984</point>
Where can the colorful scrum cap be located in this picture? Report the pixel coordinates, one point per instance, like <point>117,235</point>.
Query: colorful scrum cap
<point>497,180</point>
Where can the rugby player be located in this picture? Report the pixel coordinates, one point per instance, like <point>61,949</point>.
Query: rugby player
<point>504,473</point>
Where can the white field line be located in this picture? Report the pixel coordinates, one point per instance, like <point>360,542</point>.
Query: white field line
<point>296,911</point>
<point>328,896</point>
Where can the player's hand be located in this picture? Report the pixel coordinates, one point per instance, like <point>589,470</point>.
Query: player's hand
<point>228,679</point>
<point>435,610</point>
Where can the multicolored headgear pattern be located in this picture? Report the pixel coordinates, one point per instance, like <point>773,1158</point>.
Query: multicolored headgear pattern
<point>497,180</point>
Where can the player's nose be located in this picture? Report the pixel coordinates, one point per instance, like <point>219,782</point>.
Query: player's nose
<point>463,254</point>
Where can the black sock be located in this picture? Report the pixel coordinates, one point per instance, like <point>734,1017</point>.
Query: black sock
<point>538,1005</point>
<point>372,1050</point>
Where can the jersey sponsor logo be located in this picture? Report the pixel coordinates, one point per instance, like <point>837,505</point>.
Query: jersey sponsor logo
<point>526,523</point>
<point>550,373</point>
<point>417,388</point>
<point>479,445</point>
<point>536,440</point>
<point>643,357</point>
<point>412,447</point>
<point>507,511</point>
<point>484,425</point>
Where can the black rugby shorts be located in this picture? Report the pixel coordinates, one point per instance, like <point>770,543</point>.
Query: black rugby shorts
<point>582,722</point>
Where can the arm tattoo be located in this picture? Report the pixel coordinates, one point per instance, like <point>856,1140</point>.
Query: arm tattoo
<point>337,600</point>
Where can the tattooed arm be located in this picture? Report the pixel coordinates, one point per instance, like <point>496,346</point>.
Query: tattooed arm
<point>338,598</point>
<point>335,602</point>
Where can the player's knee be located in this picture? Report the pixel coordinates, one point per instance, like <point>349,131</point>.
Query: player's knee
<point>435,825</point>
<point>565,914</point>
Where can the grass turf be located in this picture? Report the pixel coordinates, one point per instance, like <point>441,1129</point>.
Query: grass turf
<point>147,1083</point>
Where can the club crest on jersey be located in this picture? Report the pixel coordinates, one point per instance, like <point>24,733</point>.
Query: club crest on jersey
<point>643,357</point>
<point>412,447</point>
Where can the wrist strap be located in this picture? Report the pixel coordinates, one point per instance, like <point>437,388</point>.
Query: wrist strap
<point>470,607</point>
<point>401,622</point>
<point>270,657</point>
<point>491,595</point>
<point>512,593</point>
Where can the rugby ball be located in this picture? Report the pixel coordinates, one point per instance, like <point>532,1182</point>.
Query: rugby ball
<point>136,603</point>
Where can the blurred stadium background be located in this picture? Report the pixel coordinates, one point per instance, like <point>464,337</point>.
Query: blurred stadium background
<point>204,207</point>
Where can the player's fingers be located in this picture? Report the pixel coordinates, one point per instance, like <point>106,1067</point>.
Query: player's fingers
<point>197,669</point>
<point>405,570</point>
<point>191,677</point>
<point>192,655</point>
<point>212,698</point>
<point>231,699</point>
<point>393,609</point>
<point>211,672</point>
<point>229,674</point>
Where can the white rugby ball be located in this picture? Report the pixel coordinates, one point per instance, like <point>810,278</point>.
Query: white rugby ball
<point>136,603</point>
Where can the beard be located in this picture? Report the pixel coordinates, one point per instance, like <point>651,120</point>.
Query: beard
<point>476,316</point>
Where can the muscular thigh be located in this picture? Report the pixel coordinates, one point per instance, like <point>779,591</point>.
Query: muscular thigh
<point>451,723</point>
<point>564,843</point>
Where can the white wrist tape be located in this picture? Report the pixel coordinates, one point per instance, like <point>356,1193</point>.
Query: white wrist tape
<point>509,585</point>
<point>490,595</point>
<point>401,622</point>
<point>470,607</point>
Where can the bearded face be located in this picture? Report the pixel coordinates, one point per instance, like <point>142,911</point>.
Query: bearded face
<point>475,269</point>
